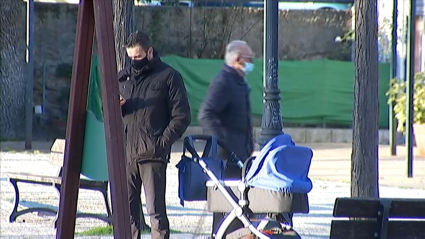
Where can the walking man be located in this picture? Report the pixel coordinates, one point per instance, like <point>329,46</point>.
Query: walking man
<point>226,112</point>
<point>156,113</point>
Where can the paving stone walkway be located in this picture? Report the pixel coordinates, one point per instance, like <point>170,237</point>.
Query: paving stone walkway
<point>330,172</point>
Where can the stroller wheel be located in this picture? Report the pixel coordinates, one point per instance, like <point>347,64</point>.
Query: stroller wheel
<point>269,227</point>
<point>277,227</point>
<point>288,234</point>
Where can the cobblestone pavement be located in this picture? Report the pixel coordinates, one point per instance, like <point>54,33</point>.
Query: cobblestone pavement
<point>329,172</point>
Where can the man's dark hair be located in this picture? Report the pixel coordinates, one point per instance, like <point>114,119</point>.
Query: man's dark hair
<point>139,39</point>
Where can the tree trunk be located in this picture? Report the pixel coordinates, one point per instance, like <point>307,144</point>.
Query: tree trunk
<point>123,25</point>
<point>12,69</point>
<point>364,157</point>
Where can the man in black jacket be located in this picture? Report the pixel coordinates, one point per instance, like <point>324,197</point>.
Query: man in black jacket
<point>226,112</point>
<point>156,113</point>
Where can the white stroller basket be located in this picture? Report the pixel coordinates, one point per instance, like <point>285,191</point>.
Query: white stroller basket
<point>237,198</point>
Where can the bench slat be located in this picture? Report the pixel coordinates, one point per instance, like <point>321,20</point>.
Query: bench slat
<point>58,146</point>
<point>56,159</point>
<point>84,183</point>
<point>414,208</point>
<point>368,208</point>
<point>344,229</point>
<point>33,177</point>
<point>57,152</point>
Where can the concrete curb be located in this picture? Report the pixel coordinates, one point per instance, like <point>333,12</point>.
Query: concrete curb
<point>309,135</point>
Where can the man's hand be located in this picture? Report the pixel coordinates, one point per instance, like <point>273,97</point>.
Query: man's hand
<point>122,100</point>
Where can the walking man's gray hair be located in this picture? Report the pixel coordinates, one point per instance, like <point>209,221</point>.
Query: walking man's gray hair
<point>233,51</point>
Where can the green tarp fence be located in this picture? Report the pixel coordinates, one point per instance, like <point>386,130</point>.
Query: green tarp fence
<point>312,92</point>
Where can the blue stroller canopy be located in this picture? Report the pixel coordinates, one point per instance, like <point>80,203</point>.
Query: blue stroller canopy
<point>281,166</point>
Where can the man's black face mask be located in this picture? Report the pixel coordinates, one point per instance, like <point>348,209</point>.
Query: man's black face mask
<point>139,64</point>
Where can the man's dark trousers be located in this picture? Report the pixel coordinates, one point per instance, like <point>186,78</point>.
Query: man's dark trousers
<point>152,174</point>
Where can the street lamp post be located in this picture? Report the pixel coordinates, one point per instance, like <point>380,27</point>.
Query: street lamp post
<point>392,121</point>
<point>409,88</point>
<point>271,123</point>
<point>30,68</point>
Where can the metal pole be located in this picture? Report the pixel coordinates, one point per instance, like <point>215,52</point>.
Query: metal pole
<point>44,88</point>
<point>409,89</point>
<point>353,28</point>
<point>271,123</point>
<point>190,34</point>
<point>392,122</point>
<point>30,69</point>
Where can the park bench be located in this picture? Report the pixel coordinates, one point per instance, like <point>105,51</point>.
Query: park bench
<point>56,159</point>
<point>383,218</point>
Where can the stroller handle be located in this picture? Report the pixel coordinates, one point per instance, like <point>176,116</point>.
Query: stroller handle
<point>188,143</point>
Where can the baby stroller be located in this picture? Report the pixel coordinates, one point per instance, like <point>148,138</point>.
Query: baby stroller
<point>273,183</point>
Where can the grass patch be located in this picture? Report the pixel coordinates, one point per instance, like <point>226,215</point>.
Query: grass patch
<point>9,140</point>
<point>97,231</point>
<point>108,230</point>
<point>7,149</point>
<point>175,231</point>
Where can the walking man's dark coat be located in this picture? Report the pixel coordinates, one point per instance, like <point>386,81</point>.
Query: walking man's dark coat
<point>226,111</point>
